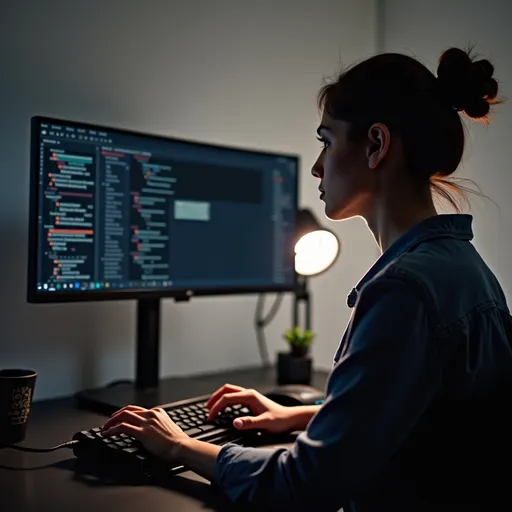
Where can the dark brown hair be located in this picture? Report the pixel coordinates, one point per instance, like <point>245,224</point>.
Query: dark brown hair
<point>422,109</point>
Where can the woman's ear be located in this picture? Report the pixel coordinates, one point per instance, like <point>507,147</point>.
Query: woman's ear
<point>379,139</point>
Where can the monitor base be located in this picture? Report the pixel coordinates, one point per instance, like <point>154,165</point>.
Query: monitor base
<point>110,399</point>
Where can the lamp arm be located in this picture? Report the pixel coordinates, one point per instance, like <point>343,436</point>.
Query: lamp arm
<point>302,297</point>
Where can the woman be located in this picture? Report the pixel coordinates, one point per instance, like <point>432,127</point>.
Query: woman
<point>413,415</point>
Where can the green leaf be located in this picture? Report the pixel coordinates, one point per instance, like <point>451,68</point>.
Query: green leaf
<point>297,338</point>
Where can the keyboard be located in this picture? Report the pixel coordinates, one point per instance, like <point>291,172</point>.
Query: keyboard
<point>126,453</point>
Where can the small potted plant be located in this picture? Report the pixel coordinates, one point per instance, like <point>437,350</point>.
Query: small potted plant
<point>295,366</point>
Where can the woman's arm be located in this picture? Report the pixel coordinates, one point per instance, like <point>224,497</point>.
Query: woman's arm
<point>201,457</point>
<point>197,456</point>
<point>301,415</point>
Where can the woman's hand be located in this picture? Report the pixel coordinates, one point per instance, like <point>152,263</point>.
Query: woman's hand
<point>152,427</point>
<point>268,415</point>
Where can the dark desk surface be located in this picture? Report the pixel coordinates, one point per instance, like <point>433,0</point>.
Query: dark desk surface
<point>49,481</point>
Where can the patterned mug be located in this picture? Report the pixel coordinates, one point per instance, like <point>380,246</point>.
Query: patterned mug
<point>16,393</point>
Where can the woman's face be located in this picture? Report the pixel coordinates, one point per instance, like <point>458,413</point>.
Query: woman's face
<point>347,182</point>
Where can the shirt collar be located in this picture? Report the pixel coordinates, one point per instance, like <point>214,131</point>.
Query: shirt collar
<point>439,226</point>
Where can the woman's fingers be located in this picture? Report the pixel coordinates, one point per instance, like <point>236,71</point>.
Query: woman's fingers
<point>127,416</point>
<point>244,397</point>
<point>134,408</point>
<point>124,428</point>
<point>227,388</point>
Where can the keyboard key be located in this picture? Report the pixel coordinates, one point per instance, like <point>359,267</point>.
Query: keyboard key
<point>216,431</point>
<point>131,449</point>
<point>96,429</point>
<point>122,444</point>
<point>193,432</point>
<point>207,427</point>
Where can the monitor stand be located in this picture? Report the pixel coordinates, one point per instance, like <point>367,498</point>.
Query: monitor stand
<point>147,390</point>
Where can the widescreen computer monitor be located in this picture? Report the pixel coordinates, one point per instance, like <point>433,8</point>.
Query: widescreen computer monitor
<point>117,214</point>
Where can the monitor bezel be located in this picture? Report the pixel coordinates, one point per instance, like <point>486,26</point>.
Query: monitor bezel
<point>36,297</point>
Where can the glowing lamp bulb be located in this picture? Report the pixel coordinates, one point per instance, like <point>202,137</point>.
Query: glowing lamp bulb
<point>315,252</point>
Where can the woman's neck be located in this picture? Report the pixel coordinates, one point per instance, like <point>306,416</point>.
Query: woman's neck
<point>392,217</point>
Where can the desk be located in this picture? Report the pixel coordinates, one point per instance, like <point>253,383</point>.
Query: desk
<point>49,482</point>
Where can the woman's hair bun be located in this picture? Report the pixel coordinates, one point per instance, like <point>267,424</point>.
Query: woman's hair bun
<point>465,84</point>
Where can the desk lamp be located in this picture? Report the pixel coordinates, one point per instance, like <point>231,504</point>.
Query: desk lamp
<point>316,251</point>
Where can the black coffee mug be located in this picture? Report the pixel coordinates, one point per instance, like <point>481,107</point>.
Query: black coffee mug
<point>16,393</point>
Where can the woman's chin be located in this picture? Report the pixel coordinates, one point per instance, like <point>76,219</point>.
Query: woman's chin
<point>333,215</point>
<point>337,213</point>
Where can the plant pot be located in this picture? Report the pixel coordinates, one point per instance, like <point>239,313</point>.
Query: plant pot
<point>300,351</point>
<point>292,369</point>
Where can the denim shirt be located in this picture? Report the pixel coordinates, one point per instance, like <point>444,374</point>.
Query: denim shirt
<point>416,402</point>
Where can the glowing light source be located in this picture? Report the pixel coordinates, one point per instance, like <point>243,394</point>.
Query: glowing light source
<point>315,252</point>
<point>316,248</point>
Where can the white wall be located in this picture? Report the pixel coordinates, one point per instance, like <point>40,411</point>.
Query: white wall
<point>426,29</point>
<point>241,73</point>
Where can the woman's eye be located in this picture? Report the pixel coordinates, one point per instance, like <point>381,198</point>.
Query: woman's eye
<point>325,143</point>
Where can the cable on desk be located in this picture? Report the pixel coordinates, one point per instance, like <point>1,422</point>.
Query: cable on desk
<point>68,444</point>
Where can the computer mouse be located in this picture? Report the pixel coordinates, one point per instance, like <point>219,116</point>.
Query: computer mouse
<point>296,394</point>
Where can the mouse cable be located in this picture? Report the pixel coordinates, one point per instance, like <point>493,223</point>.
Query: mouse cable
<point>68,444</point>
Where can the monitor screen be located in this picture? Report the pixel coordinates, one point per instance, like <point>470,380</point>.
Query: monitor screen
<point>119,214</point>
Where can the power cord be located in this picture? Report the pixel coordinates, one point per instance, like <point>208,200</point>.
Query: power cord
<point>68,444</point>
<point>260,322</point>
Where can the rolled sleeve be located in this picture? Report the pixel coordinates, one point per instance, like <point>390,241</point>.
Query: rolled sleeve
<point>388,374</point>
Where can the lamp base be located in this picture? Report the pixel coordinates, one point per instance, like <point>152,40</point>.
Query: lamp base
<point>293,370</point>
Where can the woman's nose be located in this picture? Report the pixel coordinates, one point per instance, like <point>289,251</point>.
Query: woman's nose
<point>317,169</point>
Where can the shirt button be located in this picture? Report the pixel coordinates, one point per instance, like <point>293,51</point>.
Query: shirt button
<point>352,298</point>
